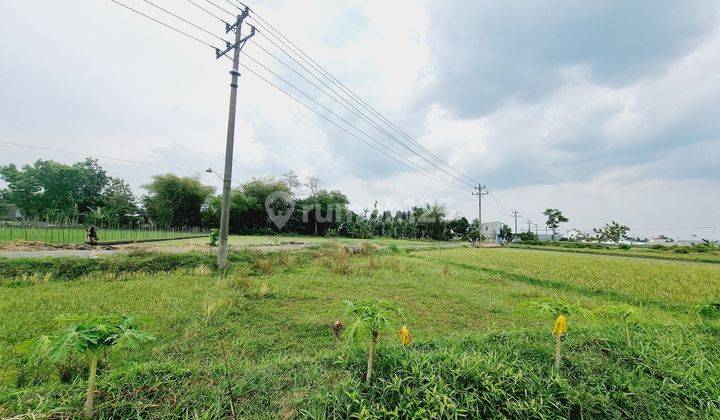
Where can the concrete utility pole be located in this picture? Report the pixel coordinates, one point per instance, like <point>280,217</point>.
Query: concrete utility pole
<point>480,193</point>
<point>515,215</point>
<point>529,223</point>
<point>227,176</point>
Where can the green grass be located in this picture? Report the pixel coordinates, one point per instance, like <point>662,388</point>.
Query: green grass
<point>479,349</point>
<point>59,236</point>
<point>662,253</point>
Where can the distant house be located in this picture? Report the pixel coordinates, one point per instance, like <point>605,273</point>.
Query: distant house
<point>491,231</point>
<point>572,235</point>
<point>662,239</point>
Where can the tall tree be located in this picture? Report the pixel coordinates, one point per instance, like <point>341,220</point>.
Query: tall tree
<point>48,189</point>
<point>118,202</point>
<point>506,233</point>
<point>175,201</point>
<point>313,185</point>
<point>612,231</point>
<point>291,179</point>
<point>554,218</point>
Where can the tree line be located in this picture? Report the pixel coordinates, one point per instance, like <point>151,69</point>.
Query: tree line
<point>83,193</point>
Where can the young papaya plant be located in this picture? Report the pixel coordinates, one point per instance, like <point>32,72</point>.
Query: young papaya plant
<point>89,338</point>
<point>623,313</point>
<point>559,310</point>
<point>370,316</point>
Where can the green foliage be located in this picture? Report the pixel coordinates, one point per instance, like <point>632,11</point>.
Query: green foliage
<point>553,307</point>
<point>370,316</point>
<point>554,218</point>
<point>612,231</point>
<point>618,312</point>
<point>14,271</point>
<point>506,233</point>
<point>175,202</point>
<point>85,335</point>
<point>214,236</point>
<point>49,190</point>
<point>89,337</point>
<point>528,237</point>
<point>710,310</point>
<point>476,353</point>
<point>504,375</point>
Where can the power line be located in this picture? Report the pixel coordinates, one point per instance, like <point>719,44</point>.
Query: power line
<point>163,24</point>
<point>207,11</point>
<point>355,111</point>
<point>185,20</point>
<point>30,146</point>
<point>365,119</point>
<point>260,21</point>
<point>221,8</point>
<point>429,175</point>
<point>419,169</point>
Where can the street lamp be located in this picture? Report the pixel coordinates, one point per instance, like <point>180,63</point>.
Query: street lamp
<point>212,171</point>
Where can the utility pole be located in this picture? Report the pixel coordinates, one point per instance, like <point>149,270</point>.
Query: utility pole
<point>536,229</point>
<point>515,215</point>
<point>227,176</point>
<point>480,193</point>
<point>529,223</point>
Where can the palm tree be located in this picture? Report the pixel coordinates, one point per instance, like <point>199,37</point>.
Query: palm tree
<point>371,316</point>
<point>90,338</point>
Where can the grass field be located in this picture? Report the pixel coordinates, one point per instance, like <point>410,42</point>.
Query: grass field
<point>479,350</point>
<point>666,253</point>
<point>64,235</point>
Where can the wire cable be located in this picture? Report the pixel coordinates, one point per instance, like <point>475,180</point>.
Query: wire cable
<point>419,169</point>
<point>186,21</point>
<point>207,11</point>
<point>350,107</point>
<point>164,24</point>
<point>50,149</point>
<point>345,129</point>
<point>261,22</point>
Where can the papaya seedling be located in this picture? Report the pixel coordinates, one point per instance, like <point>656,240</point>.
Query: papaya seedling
<point>89,338</point>
<point>405,336</point>
<point>371,316</point>
<point>559,310</point>
<point>623,313</point>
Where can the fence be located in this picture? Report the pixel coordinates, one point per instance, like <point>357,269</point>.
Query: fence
<point>76,234</point>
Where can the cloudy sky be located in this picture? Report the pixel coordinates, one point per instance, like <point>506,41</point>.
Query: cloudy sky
<point>604,109</point>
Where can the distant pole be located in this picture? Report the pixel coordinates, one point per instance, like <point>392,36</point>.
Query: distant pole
<point>480,193</point>
<point>515,215</point>
<point>529,223</point>
<point>229,145</point>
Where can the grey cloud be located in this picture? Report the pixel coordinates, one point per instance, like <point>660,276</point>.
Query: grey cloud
<point>490,54</point>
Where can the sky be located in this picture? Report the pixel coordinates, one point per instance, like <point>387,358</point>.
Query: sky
<point>607,110</point>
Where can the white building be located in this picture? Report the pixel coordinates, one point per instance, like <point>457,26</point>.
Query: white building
<point>491,231</point>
